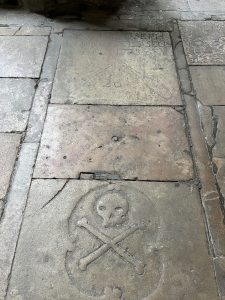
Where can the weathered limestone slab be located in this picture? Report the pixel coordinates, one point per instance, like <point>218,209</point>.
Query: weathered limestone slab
<point>14,209</point>
<point>24,30</point>
<point>158,244</point>
<point>8,151</point>
<point>219,149</point>
<point>219,263</point>
<point>107,67</point>
<point>207,5</point>
<point>6,30</point>
<point>220,173</point>
<point>31,30</point>
<point>209,83</point>
<point>207,122</point>
<point>204,42</point>
<point>43,92</point>
<point>22,56</point>
<point>133,142</point>
<point>15,102</point>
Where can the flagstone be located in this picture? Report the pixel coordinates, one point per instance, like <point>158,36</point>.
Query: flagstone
<point>145,143</point>
<point>209,83</point>
<point>8,152</point>
<point>15,102</point>
<point>76,243</point>
<point>204,42</point>
<point>22,56</point>
<point>108,67</point>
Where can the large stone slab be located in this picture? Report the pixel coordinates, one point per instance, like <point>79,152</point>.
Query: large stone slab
<point>8,151</point>
<point>14,211</point>
<point>219,149</point>
<point>108,67</point>
<point>204,42</point>
<point>209,83</point>
<point>207,5</point>
<point>22,56</point>
<point>93,240</point>
<point>133,142</point>
<point>15,102</point>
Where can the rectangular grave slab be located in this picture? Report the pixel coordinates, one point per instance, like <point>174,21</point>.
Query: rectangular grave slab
<point>204,42</point>
<point>97,67</point>
<point>8,151</point>
<point>15,102</point>
<point>99,240</point>
<point>147,143</point>
<point>22,56</point>
<point>209,83</point>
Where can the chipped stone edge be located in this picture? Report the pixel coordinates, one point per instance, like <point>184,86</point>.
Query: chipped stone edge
<point>14,210</point>
<point>209,194</point>
<point>43,91</point>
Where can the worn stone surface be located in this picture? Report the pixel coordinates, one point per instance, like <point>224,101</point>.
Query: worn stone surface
<point>15,102</point>
<point>5,30</point>
<point>219,263</point>
<point>24,30</point>
<point>12,218</point>
<point>30,30</point>
<point>209,83</point>
<point>122,68</point>
<point>8,151</point>
<point>216,227</point>
<point>204,42</point>
<point>219,149</point>
<point>22,56</point>
<point>220,174</point>
<point>64,249</point>
<point>207,122</point>
<point>128,141</point>
<point>43,92</point>
<point>200,151</point>
<point>207,5</point>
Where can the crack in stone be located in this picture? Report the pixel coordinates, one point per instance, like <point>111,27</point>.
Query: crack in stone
<point>56,194</point>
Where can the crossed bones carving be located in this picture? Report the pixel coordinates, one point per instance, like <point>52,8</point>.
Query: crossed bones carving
<point>110,243</point>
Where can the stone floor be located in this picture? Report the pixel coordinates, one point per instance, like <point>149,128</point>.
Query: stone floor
<point>112,153</point>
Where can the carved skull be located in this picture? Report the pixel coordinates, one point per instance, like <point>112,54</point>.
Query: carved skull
<point>112,207</point>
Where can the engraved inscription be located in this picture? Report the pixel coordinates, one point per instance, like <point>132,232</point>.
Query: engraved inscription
<point>115,244</point>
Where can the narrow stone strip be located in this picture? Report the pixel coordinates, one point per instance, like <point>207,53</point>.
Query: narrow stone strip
<point>43,92</point>
<point>12,217</point>
<point>208,191</point>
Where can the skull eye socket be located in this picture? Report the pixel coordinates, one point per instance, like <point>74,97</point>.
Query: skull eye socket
<point>102,207</point>
<point>119,209</point>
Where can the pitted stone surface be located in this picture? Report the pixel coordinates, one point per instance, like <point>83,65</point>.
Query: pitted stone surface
<point>8,151</point>
<point>128,141</point>
<point>219,149</point>
<point>204,42</point>
<point>215,6</point>
<point>22,56</point>
<point>15,102</point>
<point>106,67</point>
<point>209,83</point>
<point>166,257</point>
